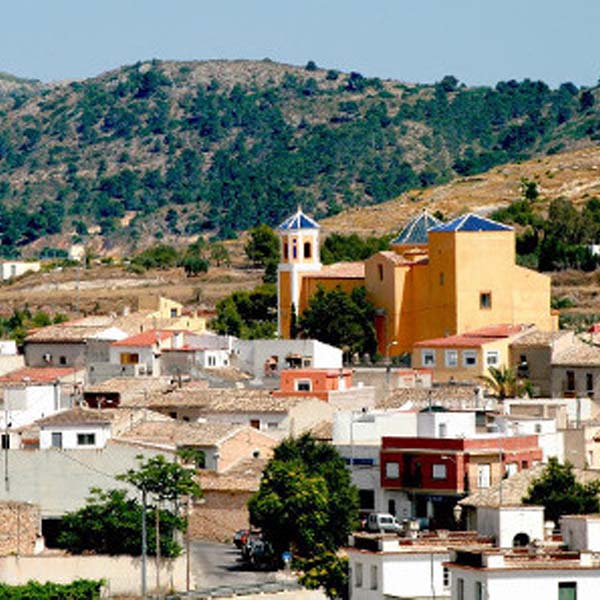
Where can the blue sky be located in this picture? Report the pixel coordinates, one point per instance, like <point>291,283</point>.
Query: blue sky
<point>478,41</point>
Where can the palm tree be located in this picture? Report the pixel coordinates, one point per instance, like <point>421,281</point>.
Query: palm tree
<point>504,382</point>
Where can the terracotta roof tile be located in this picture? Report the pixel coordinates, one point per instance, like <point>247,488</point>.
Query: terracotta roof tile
<point>37,374</point>
<point>474,338</point>
<point>77,416</point>
<point>351,270</point>
<point>147,338</point>
<point>579,354</point>
<point>449,396</point>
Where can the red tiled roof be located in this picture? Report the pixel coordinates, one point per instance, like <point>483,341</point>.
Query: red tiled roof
<point>351,270</point>
<point>147,338</point>
<point>37,374</point>
<point>473,339</point>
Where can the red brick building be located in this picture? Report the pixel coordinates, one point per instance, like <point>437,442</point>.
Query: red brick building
<point>436,472</point>
<point>316,383</point>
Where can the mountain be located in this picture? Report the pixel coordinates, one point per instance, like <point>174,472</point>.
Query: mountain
<point>168,150</point>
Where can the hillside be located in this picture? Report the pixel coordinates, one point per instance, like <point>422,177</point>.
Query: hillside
<point>574,175</point>
<point>165,150</point>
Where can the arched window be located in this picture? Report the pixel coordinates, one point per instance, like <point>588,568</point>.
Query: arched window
<point>520,540</point>
<point>285,250</point>
<point>307,250</point>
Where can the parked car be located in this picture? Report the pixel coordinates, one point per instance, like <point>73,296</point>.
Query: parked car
<point>383,522</point>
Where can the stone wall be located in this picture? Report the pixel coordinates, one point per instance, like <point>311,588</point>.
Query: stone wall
<point>20,528</point>
<point>220,516</point>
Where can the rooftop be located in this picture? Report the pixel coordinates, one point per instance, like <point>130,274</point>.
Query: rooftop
<point>449,396</point>
<point>578,354</point>
<point>77,416</point>
<point>415,231</point>
<point>475,338</point>
<point>355,270</point>
<point>471,222</point>
<point>243,476</point>
<point>214,400</point>
<point>38,375</point>
<point>540,338</point>
<point>298,221</point>
<point>147,338</point>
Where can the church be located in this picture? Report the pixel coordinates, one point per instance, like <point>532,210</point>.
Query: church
<point>437,279</point>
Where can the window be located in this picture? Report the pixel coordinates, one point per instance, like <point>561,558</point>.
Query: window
<point>373,577</point>
<point>469,358</point>
<point>567,590</point>
<point>439,471</point>
<point>442,430</point>
<point>442,279</point>
<point>446,577</point>
<point>492,358</point>
<point>86,439</point>
<point>56,439</point>
<point>294,248</point>
<point>173,313</point>
<point>392,470</point>
<point>366,499</point>
<point>380,271</point>
<point>285,251</point>
<point>272,425</point>
<point>478,590</point>
<point>538,428</point>
<point>485,300</point>
<point>428,358</point>
<point>302,385</point>
<point>589,383</point>
<point>460,589</point>
<point>451,358</point>
<point>570,381</point>
<point>307,250</point>
<point>255,423</point>
<point>5,441</point>
<point>358,575</point>
<point>511,468</point>
<point>483,476</point>
<point>62,360</point>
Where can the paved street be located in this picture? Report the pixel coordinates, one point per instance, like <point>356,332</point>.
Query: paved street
<point>216,565</point>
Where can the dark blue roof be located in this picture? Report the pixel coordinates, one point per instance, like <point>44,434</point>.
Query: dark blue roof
<point>472,222</point>
<point>298,221</point>
<point>415,231</point>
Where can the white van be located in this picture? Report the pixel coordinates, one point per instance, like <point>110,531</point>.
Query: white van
<point>383,522</point>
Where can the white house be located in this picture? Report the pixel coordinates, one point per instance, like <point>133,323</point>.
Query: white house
<point>581,532</point>
<point>386,566</point>
<point>437,423</point>
<point>144,349</point>
<point>16,268</point>
<point>497,575</point>
<point>512,526</point>
<point>266,358</point>
<point>75,429</point>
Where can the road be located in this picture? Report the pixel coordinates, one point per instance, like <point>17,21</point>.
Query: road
<point>217,565</point>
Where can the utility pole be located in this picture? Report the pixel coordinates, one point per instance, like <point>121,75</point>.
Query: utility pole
<point>144,544</point>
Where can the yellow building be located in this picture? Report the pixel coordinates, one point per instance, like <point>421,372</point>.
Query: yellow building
<point>165,313</point>
<point>438,279</point>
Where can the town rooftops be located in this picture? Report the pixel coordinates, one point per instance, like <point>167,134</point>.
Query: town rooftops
<point>214,400</point>
<point>77,331</point>
<point>38,375</point>
<point>470,222</point>
<point>475,338</point>
<point>450,396</point>
<point>579,354</point>
<point>298,221</point>
<point>147,338</point>
<point>535,337</point>
<point>243,476</point>
<point>416,230</point>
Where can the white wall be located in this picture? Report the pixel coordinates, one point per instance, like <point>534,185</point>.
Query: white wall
<point>29,403</point>
<point>581,532</point>
<point>521,584</point>
<point>145,353</point>
<point>506,522</point>
<point>69,436</point>
<point>372,425</point>
<point>15,268</point>
<point>218,358</point>
<point>457,424</point>
<point>400,575</point>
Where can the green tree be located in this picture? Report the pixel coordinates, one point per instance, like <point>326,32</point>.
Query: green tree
<point>110,523</point>
<point>341,319</point>
<point>306,502</point>
<point>165,481</point>
<point>262,246</point>
<point>559,492</point>
<point>220,254</point>
<point>194,265</point>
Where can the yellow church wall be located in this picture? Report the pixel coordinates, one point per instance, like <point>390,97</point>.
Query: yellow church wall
<point>531,298</point>
<point>309,286</point>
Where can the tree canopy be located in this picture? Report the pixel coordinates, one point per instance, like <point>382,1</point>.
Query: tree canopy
<point>340,319</point>
<point>262,246</point>
<point>306,502</point>
<point>559,491</point>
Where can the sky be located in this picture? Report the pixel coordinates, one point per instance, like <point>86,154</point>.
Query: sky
<point>480,42</point>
